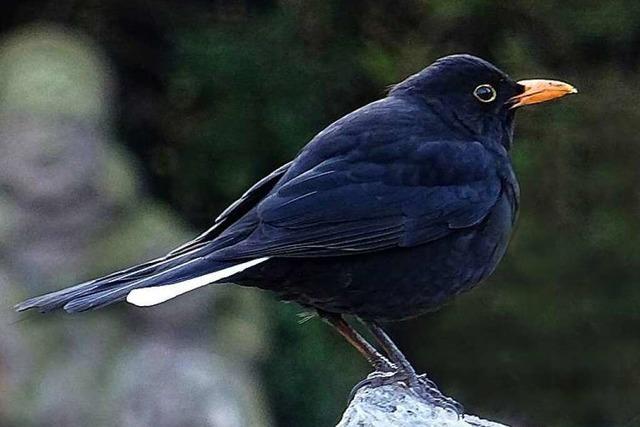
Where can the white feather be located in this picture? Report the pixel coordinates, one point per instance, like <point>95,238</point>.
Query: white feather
<point>153,295</point>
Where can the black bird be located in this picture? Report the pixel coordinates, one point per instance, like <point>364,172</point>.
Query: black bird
<point>384,215</point>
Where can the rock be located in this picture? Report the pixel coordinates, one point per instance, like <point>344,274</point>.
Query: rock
<point>395,405</point>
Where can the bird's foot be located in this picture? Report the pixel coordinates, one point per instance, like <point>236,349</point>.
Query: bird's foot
<point>431,389</point>
<point>372,379</point>
<point>420,385</point>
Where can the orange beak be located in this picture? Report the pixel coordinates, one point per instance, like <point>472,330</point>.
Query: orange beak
<point>536,91</point>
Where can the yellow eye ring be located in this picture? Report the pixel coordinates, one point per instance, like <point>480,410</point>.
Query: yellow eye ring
<point>485,93</point>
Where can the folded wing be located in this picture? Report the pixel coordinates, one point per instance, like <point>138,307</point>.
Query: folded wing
<point>338,209</point>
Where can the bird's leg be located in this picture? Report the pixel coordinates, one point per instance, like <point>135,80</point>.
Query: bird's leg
<point>377,360</point>
<point>406,374</point>
<point>394,353</point>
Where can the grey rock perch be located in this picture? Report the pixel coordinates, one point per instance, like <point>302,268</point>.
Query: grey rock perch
<point>395,405</point>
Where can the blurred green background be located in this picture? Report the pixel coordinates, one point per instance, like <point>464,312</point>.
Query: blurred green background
<point>212,95</point>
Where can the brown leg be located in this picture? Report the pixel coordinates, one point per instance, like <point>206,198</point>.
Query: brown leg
<point>377,360</point>
<point>392,351</point>
<point>407,374</point>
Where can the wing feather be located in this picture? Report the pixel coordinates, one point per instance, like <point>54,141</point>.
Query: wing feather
<point>328,214</point>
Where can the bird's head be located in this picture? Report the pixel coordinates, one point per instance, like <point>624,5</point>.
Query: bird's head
<point>474,95</point>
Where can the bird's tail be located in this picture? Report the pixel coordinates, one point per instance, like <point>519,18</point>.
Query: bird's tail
<point>146,284</point>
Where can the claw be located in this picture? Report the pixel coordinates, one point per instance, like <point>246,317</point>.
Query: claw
<point>426,381</point>
<point>373,380</point>
<point>430,392</point>
<point>437,394</point>
<point>421,386</point>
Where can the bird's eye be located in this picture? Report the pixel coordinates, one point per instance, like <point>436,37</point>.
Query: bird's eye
<point>485,93</point>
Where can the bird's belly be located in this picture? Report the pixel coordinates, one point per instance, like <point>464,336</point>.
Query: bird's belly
<point>394,284</point>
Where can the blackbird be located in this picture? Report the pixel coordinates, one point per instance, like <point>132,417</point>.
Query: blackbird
<point>386,214</point>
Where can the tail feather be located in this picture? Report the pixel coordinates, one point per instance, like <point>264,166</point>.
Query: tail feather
<point>146,296</point>
<point>150,275</point>
<point>118,292</point>
<point>56,300</point>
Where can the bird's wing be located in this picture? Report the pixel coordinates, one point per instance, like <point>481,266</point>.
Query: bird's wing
<point>235,211</point>
<point>345,207</point>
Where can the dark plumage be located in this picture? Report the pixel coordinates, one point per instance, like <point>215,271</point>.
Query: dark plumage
<point>386,214</point>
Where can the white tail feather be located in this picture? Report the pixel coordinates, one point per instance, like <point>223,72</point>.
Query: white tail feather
<point>144,297</point>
